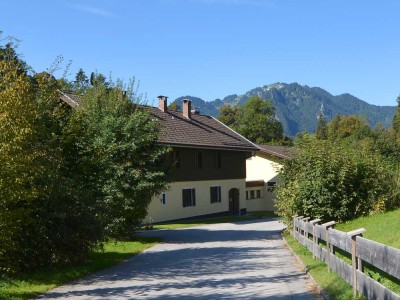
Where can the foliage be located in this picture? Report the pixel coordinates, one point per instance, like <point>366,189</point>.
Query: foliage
<point>334,182</point>
<point>70,178</point>
<point>255,120</point>
<point>45,216</point>
<point>81,81</point>
<point>296,106</point>
<point>121,137</point>
<point>396,119</point>
<point>174,106</point>
<point>353,126</point>
<point>228,115</point>
<point>322,129</point>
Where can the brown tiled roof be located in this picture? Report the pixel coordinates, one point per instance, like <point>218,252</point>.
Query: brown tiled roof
<point>278,151</point>
<point>199,132</point>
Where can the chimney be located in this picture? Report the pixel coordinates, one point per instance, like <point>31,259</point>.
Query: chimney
<point>187,108</point>
<point>162,103</point>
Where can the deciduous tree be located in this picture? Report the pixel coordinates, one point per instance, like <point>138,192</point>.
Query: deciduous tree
<point>257,121</point>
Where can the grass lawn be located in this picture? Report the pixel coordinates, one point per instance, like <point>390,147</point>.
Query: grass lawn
<point>227,219</point>
<point>26,286</point>
<point>382,228</point>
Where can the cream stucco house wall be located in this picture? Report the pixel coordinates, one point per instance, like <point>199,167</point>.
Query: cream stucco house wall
<point>208,176</point>
<point>168,205</point>
<point>262,175</point>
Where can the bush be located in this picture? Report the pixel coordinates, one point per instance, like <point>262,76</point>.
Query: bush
<point>334,182</point>
<point>46,213</point>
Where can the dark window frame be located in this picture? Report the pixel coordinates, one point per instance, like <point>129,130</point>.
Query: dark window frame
<point>164,198</point>
<point>215,194</point>
<point>188,197</point>
<point>252,195</point>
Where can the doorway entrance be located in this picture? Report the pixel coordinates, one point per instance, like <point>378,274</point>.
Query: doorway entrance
<point>234,206</point>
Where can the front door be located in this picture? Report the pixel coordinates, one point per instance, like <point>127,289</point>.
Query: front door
<point>234,202</point>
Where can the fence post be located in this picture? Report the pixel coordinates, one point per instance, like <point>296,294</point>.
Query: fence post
<point>305,220</point>
<point>294,224</point>
<point>329,247</point>
<point>354,260</point>
<point>298,219</point>
<point>315,239</point>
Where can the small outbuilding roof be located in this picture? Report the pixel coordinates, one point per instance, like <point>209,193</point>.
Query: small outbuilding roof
<point>278,151</point>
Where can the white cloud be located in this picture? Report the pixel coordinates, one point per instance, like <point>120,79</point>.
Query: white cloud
<point>236,2</point>
<point>92,10</point>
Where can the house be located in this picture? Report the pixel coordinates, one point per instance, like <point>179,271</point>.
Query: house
<point>209,166</point>
<point>262,176</point>
<point>208,159</point>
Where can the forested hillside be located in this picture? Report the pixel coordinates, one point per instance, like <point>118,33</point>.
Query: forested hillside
<point>298,106</point>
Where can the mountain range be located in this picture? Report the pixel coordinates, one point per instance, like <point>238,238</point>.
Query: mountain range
<point>297,106</point>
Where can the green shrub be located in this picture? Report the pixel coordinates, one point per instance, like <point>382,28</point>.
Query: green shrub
<point>334,181</point>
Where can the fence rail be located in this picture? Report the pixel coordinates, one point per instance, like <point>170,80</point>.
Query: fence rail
<point>387,259</point>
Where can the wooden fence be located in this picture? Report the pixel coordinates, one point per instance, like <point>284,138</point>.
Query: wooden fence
<point>309,233</point>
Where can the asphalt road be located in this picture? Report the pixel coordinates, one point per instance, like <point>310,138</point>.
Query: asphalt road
<point>244,260</point>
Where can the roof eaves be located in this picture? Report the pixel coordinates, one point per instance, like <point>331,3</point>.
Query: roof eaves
<point>274,153</point>
<point>214,147</point>
<point>256,148</point>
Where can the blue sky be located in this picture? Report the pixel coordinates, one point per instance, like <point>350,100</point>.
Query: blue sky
<point>213,48</point>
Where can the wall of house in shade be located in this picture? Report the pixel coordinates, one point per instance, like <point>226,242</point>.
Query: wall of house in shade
<point>261,167</point>
<point>193,164</point>
<point>210,197</point>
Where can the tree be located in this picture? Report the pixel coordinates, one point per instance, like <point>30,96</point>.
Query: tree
<point>98,79</point>
<point>45,216</point>
<point>174,106</point>
<point>396,119</point>
<point>122,137</point>
<point>256,121</point>
<point>334,182</point>
<point>228,115</point>
<point>81,80</point>
<point>348,127</point>
<point>322,129</point>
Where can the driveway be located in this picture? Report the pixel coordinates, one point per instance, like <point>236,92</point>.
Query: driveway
<point>244,260</point>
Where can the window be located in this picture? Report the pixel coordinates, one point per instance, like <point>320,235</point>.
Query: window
<point>251,194</point>
<point>198,160</point>
<point>258,193</point>
<point>215,194</point>
<point>188,197</point>
<point>271,186</point>
<point>177,159</point>
<point>218,160</point>
<point>164,199</point>
<point>247,195</point>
